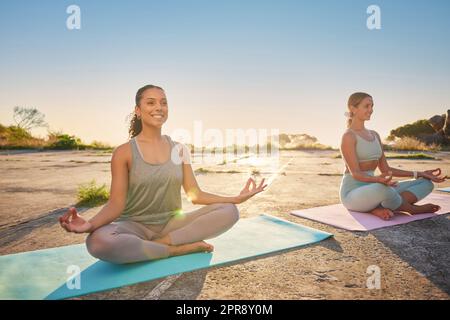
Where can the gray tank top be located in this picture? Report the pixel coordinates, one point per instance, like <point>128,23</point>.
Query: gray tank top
<point>154,190</point>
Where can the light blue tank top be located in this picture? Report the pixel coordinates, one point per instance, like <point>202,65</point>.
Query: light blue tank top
<point>367,150</point>
<point>154,190</point>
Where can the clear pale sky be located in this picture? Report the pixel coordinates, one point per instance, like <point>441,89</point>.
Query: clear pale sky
<point>288,65</point>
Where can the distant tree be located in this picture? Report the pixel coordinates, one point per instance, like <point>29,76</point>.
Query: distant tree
<point>416,129</point>
<point>28,118</point>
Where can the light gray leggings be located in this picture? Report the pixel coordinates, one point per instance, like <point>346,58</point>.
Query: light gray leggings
<point>129,241</point>
<point>365,196</point>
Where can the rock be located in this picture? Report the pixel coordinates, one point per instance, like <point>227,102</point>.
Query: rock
<point>446,128</point>
<point>440,124</point>
<point>437,122</point>
<point>436,138</point>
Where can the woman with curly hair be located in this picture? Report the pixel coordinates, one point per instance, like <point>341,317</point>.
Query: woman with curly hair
<point>143,218</point>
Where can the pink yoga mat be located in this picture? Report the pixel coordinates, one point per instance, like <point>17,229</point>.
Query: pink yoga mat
<point>338,216</point>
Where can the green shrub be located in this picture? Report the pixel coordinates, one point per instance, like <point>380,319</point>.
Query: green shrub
<point>412,156</point>
<point>15,134</point>
<point>202,170</point>
<point>64,141</point>
<point>92,195</point>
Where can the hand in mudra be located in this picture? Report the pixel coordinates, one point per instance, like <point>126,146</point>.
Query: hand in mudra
<point>71,221</point>
<point>433,175</point>
<point>386,179</point>
<point>250,190</point>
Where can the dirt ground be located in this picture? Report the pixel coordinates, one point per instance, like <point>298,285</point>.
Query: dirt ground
<point>413,258</point>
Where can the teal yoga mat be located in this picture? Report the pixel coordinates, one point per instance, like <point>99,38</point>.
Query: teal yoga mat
<point>44,274</point>
<point>444,189</point>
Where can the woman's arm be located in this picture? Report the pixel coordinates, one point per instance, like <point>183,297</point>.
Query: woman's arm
<point>119,188</point>
<point>197,196</point>
<point>72,222</point>
<point>384,167</point>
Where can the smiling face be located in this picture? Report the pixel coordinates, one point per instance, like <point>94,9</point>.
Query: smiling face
<point>363,110</point>
<point>153,108</point>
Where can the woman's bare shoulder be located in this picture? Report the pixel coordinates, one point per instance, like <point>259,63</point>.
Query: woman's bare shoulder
<point>348,136</point>
<point>123,152</point>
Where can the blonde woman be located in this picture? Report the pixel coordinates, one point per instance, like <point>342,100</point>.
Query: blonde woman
<point>361,190</point>
<point>143,219</point>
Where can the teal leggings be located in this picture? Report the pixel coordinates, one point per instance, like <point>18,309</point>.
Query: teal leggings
<point>366,196</point>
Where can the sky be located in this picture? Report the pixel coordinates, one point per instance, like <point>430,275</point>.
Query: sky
<point>254,64</point>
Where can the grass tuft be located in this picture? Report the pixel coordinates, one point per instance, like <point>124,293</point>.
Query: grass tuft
<point>92,195</point>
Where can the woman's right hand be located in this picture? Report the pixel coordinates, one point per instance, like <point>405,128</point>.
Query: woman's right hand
<point>386,179</point>
<point>71,221</point>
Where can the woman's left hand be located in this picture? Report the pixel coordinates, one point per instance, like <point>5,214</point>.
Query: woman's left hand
<point>433,175</point>
<point>250,190</point>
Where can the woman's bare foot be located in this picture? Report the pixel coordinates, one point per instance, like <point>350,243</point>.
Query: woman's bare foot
<point>426,208</point>
<point>200,246</point>
<point>382,213</point>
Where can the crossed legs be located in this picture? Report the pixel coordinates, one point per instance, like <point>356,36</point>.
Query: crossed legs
<point>382,200</point>
<point>128,241</point>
